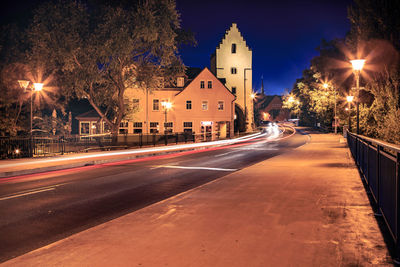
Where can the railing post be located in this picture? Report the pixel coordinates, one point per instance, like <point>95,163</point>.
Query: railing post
<point>378,171</point>
<point>397,260</point>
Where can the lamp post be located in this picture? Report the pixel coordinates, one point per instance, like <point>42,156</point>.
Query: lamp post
<point>358,64</point>
<point>244,95</point>
<point>326,85</point>
<point>253,97</point>
<point>36,87</point>
<point>167,105</point>
<point>349,100</point>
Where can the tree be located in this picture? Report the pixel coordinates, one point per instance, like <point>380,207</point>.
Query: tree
<point>98,52</point>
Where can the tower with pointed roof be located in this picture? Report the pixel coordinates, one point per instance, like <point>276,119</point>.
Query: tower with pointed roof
<point>232,61</point>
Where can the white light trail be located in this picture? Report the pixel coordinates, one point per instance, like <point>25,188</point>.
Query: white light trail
<point>196,168</point>
<point>136,151</point>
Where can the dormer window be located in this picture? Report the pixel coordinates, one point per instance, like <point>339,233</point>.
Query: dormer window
<point>180,82</point>
<point>233,48</point>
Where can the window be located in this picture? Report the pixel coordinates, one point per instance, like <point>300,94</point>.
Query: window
<point>135,104</point>
<point>187,127</point>
<point>233,49</point>
<point>126,104</point>
<point>220,105</point>
<point>204,105</point>
<point>84,128</point>
<point>123,127</point>
<point>202,84</point>
<point>137,127</point>
<point>189,104</point>
<point>154,128</point>
<point>168,126</point>
<point>180,81</point>
<point>156,104</point>
<point>123,124</point>
<point>233,70</point>
<point>209,84</point>
<point>234,90</point>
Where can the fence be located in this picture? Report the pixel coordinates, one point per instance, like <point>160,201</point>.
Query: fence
<point>379,163</point>
<point>19,147</point>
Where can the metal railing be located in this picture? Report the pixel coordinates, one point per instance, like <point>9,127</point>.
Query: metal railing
<point>20,147</point>
<point>379,163</point>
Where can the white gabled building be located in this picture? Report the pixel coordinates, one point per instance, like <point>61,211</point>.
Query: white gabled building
<point>232,61</point>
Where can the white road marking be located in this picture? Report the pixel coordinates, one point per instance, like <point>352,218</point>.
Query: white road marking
<point>27,193</point>
<point>196,168</point>
<point>33,191</point>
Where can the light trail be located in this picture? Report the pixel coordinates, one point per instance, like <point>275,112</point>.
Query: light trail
<point>209,146</point>
<point>139,151</point>
<point>196,168</point>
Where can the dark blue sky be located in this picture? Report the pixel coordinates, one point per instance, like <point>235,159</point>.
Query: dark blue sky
<point>282,34</point>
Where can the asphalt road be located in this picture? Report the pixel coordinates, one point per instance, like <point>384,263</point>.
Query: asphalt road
<point>50,206</point>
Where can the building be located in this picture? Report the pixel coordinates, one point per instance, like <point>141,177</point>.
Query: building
<point>90,123</point>
<point>232,60</point>
<point>202,105</point>
<point>269,108</point>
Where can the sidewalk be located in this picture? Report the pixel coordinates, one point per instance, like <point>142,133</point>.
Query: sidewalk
<point>307,207</point>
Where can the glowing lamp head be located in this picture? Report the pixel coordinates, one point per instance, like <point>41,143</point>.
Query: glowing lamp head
<point>167,105</point>
<point>358,64</point>
<point>350,98</point>
<point>17,151</point>
<point>38,86</point>
<point>291,99</point>
<point>252,95</point>
<point>325,85</point>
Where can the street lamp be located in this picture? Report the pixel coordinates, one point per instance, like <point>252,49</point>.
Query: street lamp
<point>167,105</point>
<point>36,87</point>
<point>349,100</point>
<point>358,64</point>
<point>326,85</point>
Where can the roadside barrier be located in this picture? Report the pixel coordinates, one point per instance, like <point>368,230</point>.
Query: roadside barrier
<point>378,163</point>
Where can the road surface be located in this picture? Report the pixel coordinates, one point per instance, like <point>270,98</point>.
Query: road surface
<point>47,207</point>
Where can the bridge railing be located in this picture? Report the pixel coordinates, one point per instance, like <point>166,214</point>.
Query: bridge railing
<point>378,163</point>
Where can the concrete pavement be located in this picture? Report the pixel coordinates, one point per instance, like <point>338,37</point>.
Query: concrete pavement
<point>307,207</point>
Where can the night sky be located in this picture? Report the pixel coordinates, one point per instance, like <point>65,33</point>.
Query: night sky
<point>282,34</point>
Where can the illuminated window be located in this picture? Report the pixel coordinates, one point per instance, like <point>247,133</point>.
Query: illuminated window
<point>202,84</point>
<point>233,49</point>
<point>189,104</point>
<point>180,81</point>
<point>220,105</point>
<point>84,128</point>
<point>233,70</point>
<point>156,104</point>
<point>209,84</point>
<point>204,105</point>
